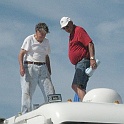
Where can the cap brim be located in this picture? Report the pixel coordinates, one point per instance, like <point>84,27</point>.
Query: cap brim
<point>64,25</point>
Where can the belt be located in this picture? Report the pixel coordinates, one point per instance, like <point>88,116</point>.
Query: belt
<point>36,63</point>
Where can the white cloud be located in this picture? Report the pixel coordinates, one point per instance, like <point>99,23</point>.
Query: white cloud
<point>107,28</point>
<point>110,36</point>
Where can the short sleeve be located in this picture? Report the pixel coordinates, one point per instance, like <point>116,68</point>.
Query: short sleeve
<point>83,37</point>
<point>26,44</point>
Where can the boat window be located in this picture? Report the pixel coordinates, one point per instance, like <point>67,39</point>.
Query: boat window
<point>87,123</point>
<point>1,120</point>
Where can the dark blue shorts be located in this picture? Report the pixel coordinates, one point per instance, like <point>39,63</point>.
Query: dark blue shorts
<point>80,77</point>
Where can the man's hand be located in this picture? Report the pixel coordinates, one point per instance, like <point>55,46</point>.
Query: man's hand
<point>22,71</point>
<point>20,58</point>
<point>93,63</point>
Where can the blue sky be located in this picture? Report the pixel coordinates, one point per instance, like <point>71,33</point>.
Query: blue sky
<point>102,19</point>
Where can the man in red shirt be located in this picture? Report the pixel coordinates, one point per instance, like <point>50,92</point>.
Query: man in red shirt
<point>81,53</point>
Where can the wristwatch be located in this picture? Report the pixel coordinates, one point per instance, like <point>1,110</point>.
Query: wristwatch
<point>92,58</point>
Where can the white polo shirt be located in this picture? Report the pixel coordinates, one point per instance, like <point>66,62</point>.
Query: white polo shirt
<point>36,51</point>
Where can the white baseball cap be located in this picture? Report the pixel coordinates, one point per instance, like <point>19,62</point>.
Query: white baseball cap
<point>64,21</point>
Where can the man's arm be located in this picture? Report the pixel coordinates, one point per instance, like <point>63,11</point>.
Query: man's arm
<point>92,55</point>
<point>20,59</point>
<point>48,64</point>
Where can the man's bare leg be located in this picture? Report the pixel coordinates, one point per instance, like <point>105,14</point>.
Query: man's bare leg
<point>80,92</point>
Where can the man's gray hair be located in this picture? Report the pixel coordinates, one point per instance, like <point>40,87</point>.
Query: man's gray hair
<point>42,26</point>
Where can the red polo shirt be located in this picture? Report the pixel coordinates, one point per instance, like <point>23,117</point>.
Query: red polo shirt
<point>78,45</point>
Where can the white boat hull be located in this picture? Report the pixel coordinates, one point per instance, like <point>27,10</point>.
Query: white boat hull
<point>57,113</point>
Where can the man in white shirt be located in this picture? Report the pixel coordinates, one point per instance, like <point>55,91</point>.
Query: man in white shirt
<point>35,66</point>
